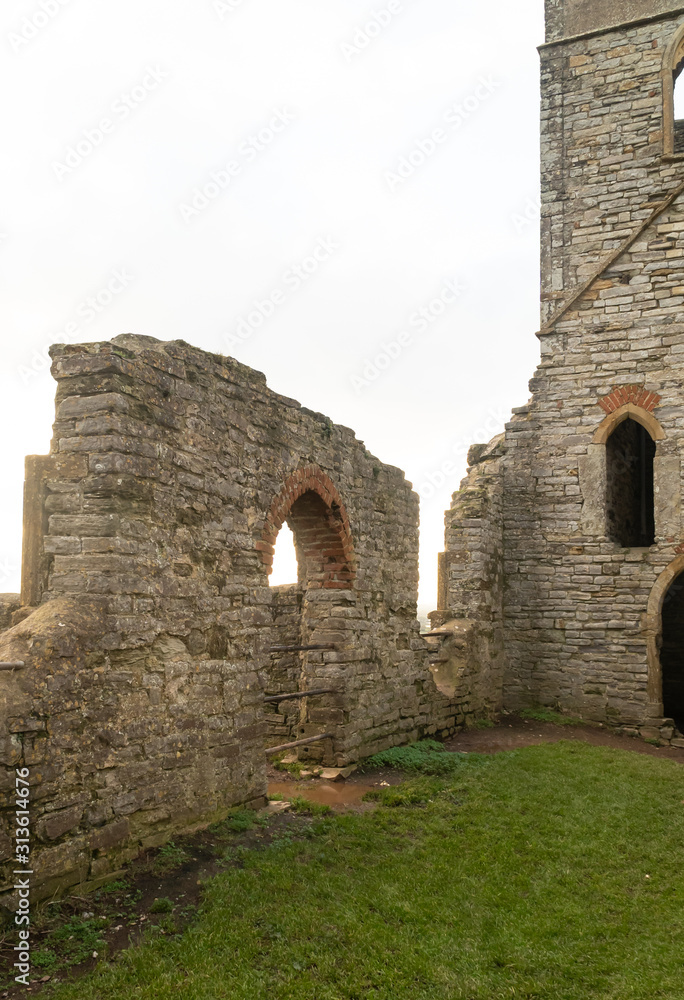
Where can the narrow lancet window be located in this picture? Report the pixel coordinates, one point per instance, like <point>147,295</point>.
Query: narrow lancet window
<point>678,104</point>
<point>630,451</point>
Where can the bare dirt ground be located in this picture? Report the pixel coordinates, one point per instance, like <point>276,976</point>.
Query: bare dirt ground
<point>514,732</point>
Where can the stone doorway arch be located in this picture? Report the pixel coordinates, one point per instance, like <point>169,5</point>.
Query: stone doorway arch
<point>654,633</point>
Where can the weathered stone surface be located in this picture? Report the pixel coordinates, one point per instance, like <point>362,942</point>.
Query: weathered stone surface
<point>148,638</point>
<point>9,603</point>
<point>560,613</point>
<point>54,824</point>
<point>109,835</point>
<point>575,17</point>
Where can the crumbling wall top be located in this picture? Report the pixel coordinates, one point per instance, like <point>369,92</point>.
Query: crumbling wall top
<point>566,18</point>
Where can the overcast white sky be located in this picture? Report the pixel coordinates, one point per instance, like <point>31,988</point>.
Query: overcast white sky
<point>355,163</point>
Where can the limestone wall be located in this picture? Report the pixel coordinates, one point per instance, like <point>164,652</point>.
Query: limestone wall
<point>578,602</point>
<point>147,620</point>
<point>580,614</point>
<point>602,167</point>
<point>575,17</point>
<point>565,18</point>
<point>470,604</point>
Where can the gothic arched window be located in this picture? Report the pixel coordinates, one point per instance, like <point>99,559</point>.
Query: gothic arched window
<point>630,514</point>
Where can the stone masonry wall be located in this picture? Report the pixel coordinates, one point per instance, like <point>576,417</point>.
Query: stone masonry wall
<point>147,620</point>
<point>565,18</point>
<point>580,614</point>
<point>470,599</point>
<point>284,673</point>
<point>577,603</point>
<point>602,169</point>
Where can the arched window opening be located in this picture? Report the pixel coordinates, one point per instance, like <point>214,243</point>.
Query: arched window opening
<point>284,570</point>
<point>672,652</point>
<point>630,451</point>
<point>318,541</point>
<point>678,107</point>
<point>673,95</point>
<point>307,537</point>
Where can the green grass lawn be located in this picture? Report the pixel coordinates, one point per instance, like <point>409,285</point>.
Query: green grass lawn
<point>556,871</point>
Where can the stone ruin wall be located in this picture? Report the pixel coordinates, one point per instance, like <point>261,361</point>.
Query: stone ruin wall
<point>566,18</point>
<point>146,621</point>
<point>580,614</point>
<point>468,648</point>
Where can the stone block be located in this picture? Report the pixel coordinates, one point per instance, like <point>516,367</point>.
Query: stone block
<point>55,824</point>
<point>110,835</point>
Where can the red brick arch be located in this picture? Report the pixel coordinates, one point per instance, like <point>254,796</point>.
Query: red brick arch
<point>637,395</point>
<point>310,503</point>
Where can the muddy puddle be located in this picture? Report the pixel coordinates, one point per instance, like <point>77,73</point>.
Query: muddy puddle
<point>335,794</point>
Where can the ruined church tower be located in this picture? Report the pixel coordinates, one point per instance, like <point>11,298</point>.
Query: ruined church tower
<point>564,545</point>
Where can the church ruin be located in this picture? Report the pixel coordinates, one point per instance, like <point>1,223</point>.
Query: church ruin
<point>137,662</point>
<point>564,546</point>
<point>146,666</point>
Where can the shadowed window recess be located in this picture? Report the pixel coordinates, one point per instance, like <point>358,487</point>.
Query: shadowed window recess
<point>630,451</point>
<point>672,652</point>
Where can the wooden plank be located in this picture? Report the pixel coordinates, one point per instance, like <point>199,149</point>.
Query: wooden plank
<point>299,743</point>
<point>297,649</point>
<point>300,694</point>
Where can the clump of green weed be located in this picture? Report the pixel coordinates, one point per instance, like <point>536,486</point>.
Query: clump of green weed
<point>302,805</point>
<point>161,905</point>
<point>548,715</point>
<point>294,769</point>
<point>482,724</point>
<point>240,820</point>
<point>276,797</point>
<point>284,840</point>
<point>237,821</point>
<point>118,885</point>
<point>426,757</point>
<point>46,960</point>
<point>403,795</point>
<point>74,942</point>
<point>169,858</point>
<point>167,924</point>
